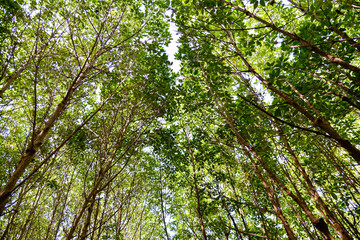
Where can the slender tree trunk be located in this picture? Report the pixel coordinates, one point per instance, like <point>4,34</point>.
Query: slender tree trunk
<point>101,221</point>
<point>88,200</point>
<point>297,38</point>
<point>275,204</point>
<point>314,194</point>
<point>95,219</point>
<point>37,139</point>
<point>26,228</point>
<point>197,194</point>
<point>62,212</point>
<point>58,201</point>
<point>238,232</point>
<point>330,26</point>
<point>86,225</point>
<point>319,223</point>
<point>249,150</point>
<point>162,207</point>
<point>238,210</point>
<point>15,212</point>
<point>320,122</point>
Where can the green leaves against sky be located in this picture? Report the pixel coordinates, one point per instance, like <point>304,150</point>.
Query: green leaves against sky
<point>256,137</point>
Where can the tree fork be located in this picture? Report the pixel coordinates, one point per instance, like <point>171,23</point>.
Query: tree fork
<point>36,141</point>
<point>314,194</point>
<point>297,38</point>
<point>320,122</point>
<point>247,149</point>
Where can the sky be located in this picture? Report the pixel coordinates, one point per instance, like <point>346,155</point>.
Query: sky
<point>173,47</point>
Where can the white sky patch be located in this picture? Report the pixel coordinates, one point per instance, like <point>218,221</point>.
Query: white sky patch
<point>161,120</point>
<point>98,95</point>
<point>148,149</point>
<point>267,97</point>
<point>173,47</point>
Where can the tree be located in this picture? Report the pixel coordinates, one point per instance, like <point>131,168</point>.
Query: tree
<point>257,137</point>
<point>79,78</point>
<point>238,54</point>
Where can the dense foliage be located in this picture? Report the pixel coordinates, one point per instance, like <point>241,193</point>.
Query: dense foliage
<point>257,136</point>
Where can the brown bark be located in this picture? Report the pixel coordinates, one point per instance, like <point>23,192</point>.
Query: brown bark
<point>237,199</point>
<point>105,166</point>
<point>90,208</point>
<point>101,220</point>
<point>15,211</point>
<point>95,219</point>
<point>249,150</point>
<point>162,208</point>
<point>87,204</point>
<point>36,141</point>
<point>314,194</point>
<point>36,53</point>
<point>58,201</point>
<point>27,226</point>
<point>320,121</point>
<point>330,26</point>
<point>297,38</point>
<point>197,195</point>
<point>277,209</point>
<point>329,214</point>
<point>299,201</point>
<point>39,136</point>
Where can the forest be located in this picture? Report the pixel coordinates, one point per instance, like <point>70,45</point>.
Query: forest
<point>257,136</point>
